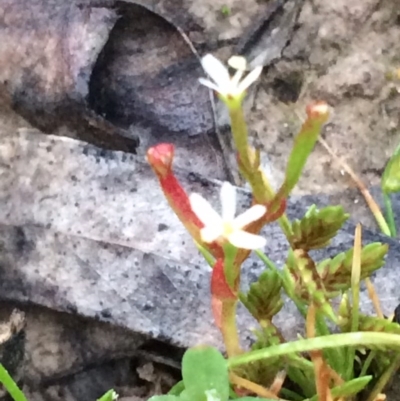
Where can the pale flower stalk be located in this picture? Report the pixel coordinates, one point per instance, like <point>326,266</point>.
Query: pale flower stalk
<point>222,82</point>
<point>227,226</point>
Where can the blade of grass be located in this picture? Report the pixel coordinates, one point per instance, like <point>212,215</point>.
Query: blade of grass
<point>367,363</point>
<point>355,292</point>
<point>10,385</point>
<point>374,297</point>
<point>389,214</point>
<point>305,345</point>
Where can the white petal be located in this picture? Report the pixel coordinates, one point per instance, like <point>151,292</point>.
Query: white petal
<point>228,201</point>
<point>244,240</point>
<point>211,233</point>
<point>216,70</point>
<point>236,79</point>
<point>209,84</point>
<point>238,63</point>
<point>250,78</point>
<point>250,215</point>
<point>204,211</point>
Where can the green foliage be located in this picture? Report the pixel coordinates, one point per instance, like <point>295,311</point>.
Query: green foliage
<point>348,389</point>
<point>336,273</point>
<point>110,395</point>
<point>369,323</point>
<point>205,378</point>
<point>264,300</point>
<point>391,176</point>
<point>331,363</point>
<point>306,282</point>
<point>225,11</point>
<point>10,385</point>
<point>204,369</point>
<point>316,229</point>
<point>263,372</point>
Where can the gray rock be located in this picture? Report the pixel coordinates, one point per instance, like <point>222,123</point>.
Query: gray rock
<point>89,232</point>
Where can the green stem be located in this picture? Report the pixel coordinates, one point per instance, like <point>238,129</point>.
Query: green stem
<point>240,133</point>
<point>359,339</point>
<point>286,226</point>
<point>367,363</point>
<point>389,214</point>
<point>10,385</point>
<point>229,329</point>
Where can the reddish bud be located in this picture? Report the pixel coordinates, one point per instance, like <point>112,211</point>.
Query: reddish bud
<point>318,110</point>
<point>160,158</point>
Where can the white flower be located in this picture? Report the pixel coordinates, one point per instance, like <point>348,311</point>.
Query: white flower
<point>228,226</point>
<point>222,82</point>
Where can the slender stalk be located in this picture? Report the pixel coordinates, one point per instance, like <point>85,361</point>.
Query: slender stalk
<point>240,133</point>
<point>241,140</point>
<point>374,297</point>
<point>229,329</point>
<point>367,363</point>
<point>355,292</point>
<point>10,385</point>
<point>253,387</point>
<point>358,339</point>
<point>389,214</point>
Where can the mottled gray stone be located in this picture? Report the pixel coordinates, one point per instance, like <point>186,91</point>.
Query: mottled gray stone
<point>88,231</point>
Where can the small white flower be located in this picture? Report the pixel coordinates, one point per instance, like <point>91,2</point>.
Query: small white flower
<point>222,82</point>
<point>228,226</point>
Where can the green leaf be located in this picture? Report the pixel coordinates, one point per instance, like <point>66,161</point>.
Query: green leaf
<point>347,389</point>
<point>205,369</point>
<point>391,176</point>
<point>263,299</point>
<point>317,227</point>
<point>336,272</point>
<point>177,388</point>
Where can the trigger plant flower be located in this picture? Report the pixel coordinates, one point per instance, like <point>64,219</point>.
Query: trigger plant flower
<point>227,226</point>
<point>228,87</point>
